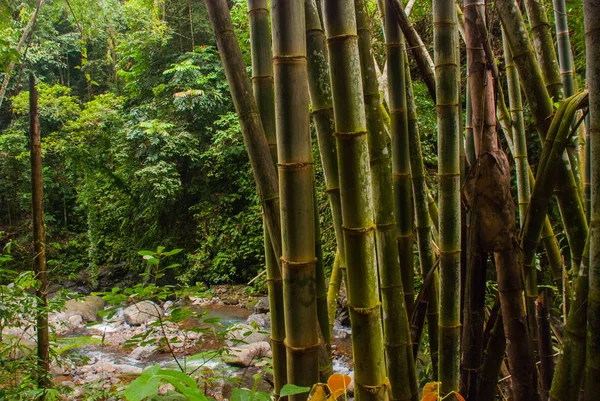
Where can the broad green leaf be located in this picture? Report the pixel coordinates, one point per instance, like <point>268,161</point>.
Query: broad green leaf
<point>292,389</point>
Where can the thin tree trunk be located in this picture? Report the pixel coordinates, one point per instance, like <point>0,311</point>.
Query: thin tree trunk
<point>493,357</point>
<point>25,37</point>
<point>39,243</point>
<point>294,152</point>
<point>393,267</point>
<point>265,174</point>
<point>262,83</point>
<point>591,11</point>
<point>447,69</point>
<point>357,203</point>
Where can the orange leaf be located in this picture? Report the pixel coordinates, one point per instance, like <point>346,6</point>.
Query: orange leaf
<point>430,397</point>
<point>430,391</point>
<point>338,384</point>
<point>454,396</point>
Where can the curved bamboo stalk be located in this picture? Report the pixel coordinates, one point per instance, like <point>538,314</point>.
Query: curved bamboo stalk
<point>591,11</point>
<point>322,112</point>
<point>294,151</point>
<point>541,107</point>
<point>392,269</point>
<point>262,85</point>
<point>446,62</point>
<point>357,202</point>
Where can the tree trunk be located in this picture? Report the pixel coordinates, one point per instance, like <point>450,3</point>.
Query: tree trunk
<point>591,11</point>
<point>39,241</point>
<point>357,203</point>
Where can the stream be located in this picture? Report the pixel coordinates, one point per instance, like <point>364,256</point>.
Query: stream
<point>105,357</point>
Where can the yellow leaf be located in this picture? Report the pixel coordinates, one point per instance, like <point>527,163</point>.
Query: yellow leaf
<point>338,384</point>
<point>431,391</point>
<point>318,392</point>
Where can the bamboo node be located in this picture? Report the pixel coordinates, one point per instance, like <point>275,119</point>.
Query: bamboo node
<point>401,344</point>
<point>302,350</point>
<point>341,38</point>
<point>322,110</point>
<point>258,10</point>
<point>297,265</point>
<point>259,78</point>
<point>374,389</point>
<point>269,198</point>
<point>289,59</point>
<point>274,280</point>
<point>359,230</point>
<point>349,135</point>
<point>295,166</point>
<point>366,311</point>
<point>276,341</point>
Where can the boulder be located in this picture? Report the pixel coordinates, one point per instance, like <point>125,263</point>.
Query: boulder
<point>247,354</point>
<point>142,312</point>
<point>262,320</point>
<point>76,321</point>
<point>87,308</point>
<point>262,306</point>
<point>245,334</point>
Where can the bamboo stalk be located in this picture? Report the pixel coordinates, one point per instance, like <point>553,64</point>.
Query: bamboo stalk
<point>423,219</point>
<point>322,113</point>
<point>393,268</point>
<point>265,174</point>
<point>446,71</point>
<point>357,201</point>
<point>545,343</point>
<point>262,85</point>
<point>492,362</point>
<point>591,11</point>
<point>294,150</point>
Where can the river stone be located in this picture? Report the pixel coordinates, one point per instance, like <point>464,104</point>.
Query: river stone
<point>262,306</point>
<point>245,355</point>
<point>143,352</point>
<point>76,321</point>
<point>87,308</point>
<point>142,312</point>
<point>245,334</point>
<point>263,320</point>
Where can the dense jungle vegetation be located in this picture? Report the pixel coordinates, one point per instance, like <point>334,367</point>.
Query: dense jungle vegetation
<point>438,160</point>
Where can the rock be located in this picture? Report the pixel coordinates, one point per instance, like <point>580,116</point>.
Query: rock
<point>87,308</point>
<point>143,352</point>
<point>105,367</point>
<point>142,312</point>
<point>263,320</point>
<point>262,306</point>
<point>231,301</point>
<point>167,306</point>
<point>76,321</point>
<point>244,333</point>
<point>245,355</point>
<point>128,369</point>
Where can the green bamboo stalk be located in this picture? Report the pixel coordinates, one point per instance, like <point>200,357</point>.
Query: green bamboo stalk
<point>417,47</point>
<point>294,151</point>
<point>518,125</point>
<point>325,364</point>
<point>446,62</point>
<point>322,113</point>
<point>392,266</point>
<point>544,47</point>
<point>546,352</point>
<point>541,107</point>
<point>423,218</point>
<point>335,282</point>
<point>400,153</point>
<point>262,85</point>
<point>357,202</point>
<point>568,373</point>
<point>591,11</point>
<point>565,58</point>
<point>265,174</point>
